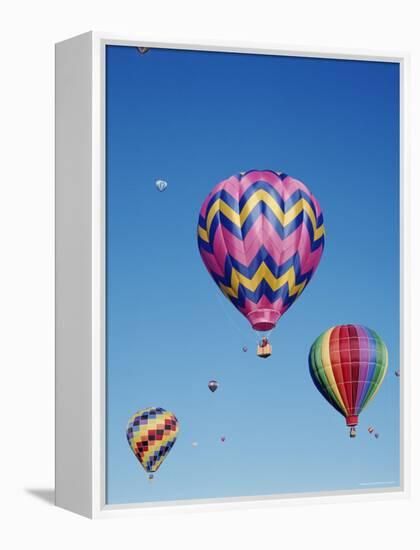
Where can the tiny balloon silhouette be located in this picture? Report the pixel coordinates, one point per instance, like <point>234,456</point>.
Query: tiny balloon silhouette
<point>397,373</point>
<point>377,436</point>
<point>244,349</point>
<point>143,50</point>
<point>223,439</point>
<point>161,185</point>
<point>194,444</point>
<point>213,385</point>
<point>370,429</point>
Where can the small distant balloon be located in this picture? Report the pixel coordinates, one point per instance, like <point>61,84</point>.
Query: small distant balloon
<point>213,385</point>
<point>194,444</point>
<point>143,50</point>
<point>370,429</point>
<point>161,185</point>
<point>377,436</point>
<point>397,373</point>
<point>244,349</point>
<point>223,439</point>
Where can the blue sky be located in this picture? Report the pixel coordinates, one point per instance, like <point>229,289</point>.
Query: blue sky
<point>193,119</point>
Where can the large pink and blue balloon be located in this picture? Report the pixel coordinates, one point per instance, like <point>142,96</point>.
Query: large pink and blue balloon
<point>261,237</point>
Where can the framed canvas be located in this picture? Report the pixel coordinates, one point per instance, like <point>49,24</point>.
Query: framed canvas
<point>230,291</point>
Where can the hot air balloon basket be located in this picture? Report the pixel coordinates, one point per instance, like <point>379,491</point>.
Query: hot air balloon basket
<point>264,351</point>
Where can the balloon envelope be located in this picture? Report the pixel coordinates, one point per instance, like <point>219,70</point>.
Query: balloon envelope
<point>161,185</point>
<point>348,364</point>
<point>151,434</point>
<point>213,385</point>
<point>261,237</point>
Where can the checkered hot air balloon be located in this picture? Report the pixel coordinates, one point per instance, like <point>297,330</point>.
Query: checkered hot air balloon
<point>348,364</point>
<point>261,237</point>
<point>151,434</point>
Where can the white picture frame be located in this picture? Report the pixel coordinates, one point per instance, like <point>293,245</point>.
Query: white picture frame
<point>80,275</point>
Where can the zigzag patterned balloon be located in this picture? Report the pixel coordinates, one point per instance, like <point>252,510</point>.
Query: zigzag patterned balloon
<point>261,237</point>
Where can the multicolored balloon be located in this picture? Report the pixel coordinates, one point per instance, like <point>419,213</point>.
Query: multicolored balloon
<point>348,364</point>
<point>151,434</point>
<point>261,237</point>
<point>213,385</point>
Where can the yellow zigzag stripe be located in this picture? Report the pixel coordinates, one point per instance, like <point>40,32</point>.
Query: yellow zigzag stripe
<point>203,234</point>
<point>263,273</point>
<point>261,196</point>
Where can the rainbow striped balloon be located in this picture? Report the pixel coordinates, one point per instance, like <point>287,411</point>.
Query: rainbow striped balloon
<point>348,364</point>
<point>261,237</point>
<point>151,434</point>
